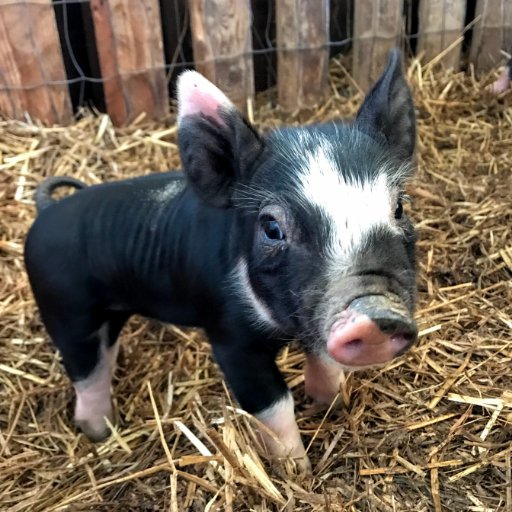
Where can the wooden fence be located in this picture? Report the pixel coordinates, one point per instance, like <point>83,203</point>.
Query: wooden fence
<point>129,42</point>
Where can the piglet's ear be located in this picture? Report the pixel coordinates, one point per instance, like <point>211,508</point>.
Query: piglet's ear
<point>388,109</point>
<point>217,144</point>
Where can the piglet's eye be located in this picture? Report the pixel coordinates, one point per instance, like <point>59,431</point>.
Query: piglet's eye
<point>271,229</point>
<point>399,210</point>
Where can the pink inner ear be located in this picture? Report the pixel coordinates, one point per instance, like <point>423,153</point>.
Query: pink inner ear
<point>197,95</point>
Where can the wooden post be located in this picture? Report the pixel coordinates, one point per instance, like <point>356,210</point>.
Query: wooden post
<point>32,75</point>
<point>440,24</point>
<point>492,33</point>
<point>377,28</point>
<point>222,42</point>
<point>130,49</point>
<point>303,54</point>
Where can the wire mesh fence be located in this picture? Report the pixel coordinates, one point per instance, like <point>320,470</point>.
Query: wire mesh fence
<point>123,56</point>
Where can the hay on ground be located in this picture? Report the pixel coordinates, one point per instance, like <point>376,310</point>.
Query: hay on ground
<point>431,431</point>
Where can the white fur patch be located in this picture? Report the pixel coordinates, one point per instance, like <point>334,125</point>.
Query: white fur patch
<point>280,419</point>
<point>280,410</point>
<point>261,313</point>
<point>93,394</point>
<point>353,207</point>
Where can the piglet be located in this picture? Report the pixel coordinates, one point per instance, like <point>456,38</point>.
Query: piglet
<point>296,234</point>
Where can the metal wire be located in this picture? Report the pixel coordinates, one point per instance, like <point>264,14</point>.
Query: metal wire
<point>178,60</point>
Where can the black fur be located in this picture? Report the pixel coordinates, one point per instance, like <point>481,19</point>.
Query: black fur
<point>389,110</point>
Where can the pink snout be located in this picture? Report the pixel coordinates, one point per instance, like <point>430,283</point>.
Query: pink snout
<point>357,340</point>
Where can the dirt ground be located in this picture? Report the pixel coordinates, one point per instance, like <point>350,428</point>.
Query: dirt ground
<point>431,431</point>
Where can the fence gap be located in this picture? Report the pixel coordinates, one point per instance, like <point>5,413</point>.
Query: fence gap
<point>411,23</point>
<point>222,42</point>
<point>303,54</point>
<point>177,39</point>
<point>130,49</point>
<point>76,34</point>
<point>30,61</point>
<point>264,42</point>
<point>377,28</point>
<point>340,26</point>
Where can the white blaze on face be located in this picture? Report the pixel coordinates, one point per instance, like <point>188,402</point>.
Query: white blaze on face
<point>353,208</point>
<point>261,314</point>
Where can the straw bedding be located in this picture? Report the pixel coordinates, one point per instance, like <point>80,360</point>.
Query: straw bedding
<point>431,431</point>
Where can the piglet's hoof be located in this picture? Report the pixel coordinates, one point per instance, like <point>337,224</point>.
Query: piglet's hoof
<point>289,464</point>
<point>93,403</point>
<point>95,428</point>
<point>94,433</point>
<point>295,454</point>
<point>303,465</point>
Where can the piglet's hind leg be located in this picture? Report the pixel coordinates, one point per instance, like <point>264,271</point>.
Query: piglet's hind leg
<point>89,361</point>
<point>93,396</point>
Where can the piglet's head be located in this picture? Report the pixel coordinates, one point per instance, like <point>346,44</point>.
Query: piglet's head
<point>217,144</point>
<point>324,249</point>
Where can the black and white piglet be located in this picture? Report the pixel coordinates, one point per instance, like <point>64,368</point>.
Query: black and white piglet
<point>298,234</point>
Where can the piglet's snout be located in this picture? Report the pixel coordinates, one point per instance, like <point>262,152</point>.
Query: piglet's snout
<point>369,337</point>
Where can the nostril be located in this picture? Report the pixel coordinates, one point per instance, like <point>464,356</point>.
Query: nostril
<point>354,345</point>
<point>393,325</point>
<point>401,341</point>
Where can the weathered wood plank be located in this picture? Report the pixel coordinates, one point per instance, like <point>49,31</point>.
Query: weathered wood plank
<point>377,28</point>
<point>222,43</point>
<point>492,33</point>
<point>440,24</point>
<point>31,62</point>
<point>303,54</point>
<point>130,49</point>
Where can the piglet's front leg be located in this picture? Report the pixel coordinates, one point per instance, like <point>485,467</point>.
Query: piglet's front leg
<point>280,419</point>
<point>260,389</point>
<point>323,378</point>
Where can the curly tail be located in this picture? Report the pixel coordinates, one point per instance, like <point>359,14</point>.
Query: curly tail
<point>43,195</point>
